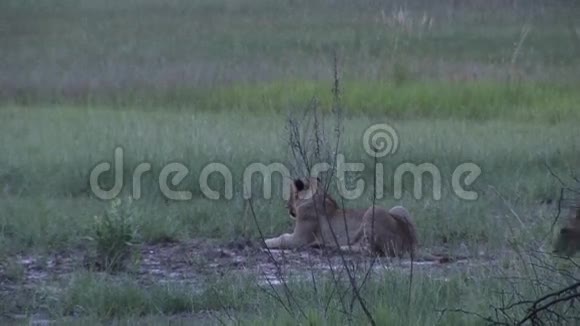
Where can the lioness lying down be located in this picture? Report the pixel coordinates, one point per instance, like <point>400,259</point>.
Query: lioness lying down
<point>320,222</point>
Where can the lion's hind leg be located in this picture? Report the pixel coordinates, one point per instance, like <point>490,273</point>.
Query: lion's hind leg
<point>381,233</point>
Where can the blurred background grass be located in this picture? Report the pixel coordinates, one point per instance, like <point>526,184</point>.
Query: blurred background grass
<point>467,58</point>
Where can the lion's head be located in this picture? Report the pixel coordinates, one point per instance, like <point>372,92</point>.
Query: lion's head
<point>299,190</point>
<point>305,189</point>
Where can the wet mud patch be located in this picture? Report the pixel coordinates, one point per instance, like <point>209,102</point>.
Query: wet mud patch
<point>190,262</point>
<point>197,264</point>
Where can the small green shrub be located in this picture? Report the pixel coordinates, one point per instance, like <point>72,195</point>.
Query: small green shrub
<point>113,234</point>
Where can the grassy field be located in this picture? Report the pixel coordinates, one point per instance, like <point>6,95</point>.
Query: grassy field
<point>488,82</point>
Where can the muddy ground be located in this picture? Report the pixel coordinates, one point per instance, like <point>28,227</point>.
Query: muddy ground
<point>191,261</point>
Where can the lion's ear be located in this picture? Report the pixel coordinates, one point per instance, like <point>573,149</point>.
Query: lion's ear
<point>298,185</point>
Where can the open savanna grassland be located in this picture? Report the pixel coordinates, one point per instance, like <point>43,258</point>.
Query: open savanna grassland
<point>494,83</point>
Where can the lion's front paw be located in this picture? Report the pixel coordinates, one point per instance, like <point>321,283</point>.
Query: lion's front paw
<point>271,243</point>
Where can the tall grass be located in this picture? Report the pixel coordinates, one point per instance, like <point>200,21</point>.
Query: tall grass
<point>476,100</point>
<point>80,52</point>
<point>48,155</point>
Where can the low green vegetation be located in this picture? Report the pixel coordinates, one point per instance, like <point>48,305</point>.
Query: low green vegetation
<point>41,165</point>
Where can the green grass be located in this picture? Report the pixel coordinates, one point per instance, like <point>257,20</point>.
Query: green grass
<point>40,168</point>
<point>106,297</point>
<point>76,51</point>
<point>101,297</point>
<point>203,81</point>
<point>238,299</point>
<point>477,100</point>
<point>48,209</point>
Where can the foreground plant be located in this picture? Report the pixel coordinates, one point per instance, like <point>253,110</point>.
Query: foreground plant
<point>113,234</point>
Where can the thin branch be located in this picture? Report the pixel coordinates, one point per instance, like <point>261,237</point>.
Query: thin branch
<point>287,291</point>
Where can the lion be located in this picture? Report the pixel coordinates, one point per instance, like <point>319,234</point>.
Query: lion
<point>319,222</point>
<point>568,240</point>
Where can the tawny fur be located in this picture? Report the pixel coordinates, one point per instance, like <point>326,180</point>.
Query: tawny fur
<point>320,222</point>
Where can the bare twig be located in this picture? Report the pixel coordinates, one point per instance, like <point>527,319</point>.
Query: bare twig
<point>290,297</point>
<point>535,310</point>
<point>466,312</point>
<point>559,179</point>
